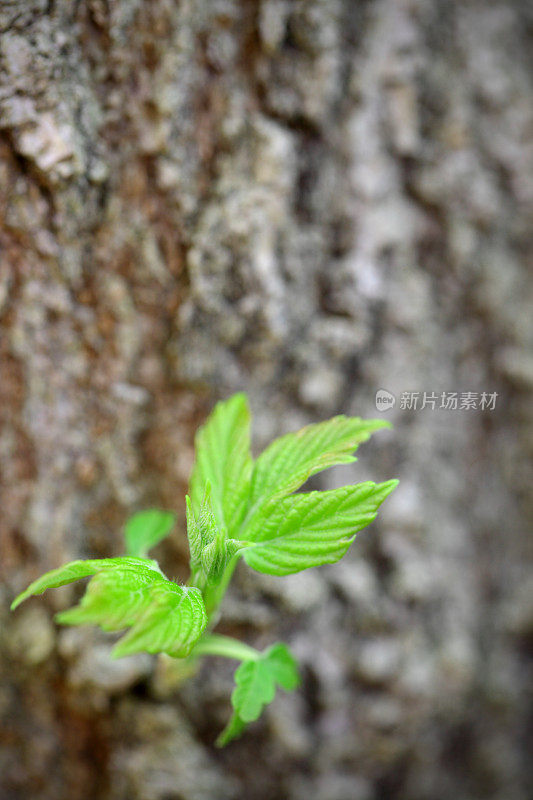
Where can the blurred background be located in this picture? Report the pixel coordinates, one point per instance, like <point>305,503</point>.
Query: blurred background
<point>312,202</point>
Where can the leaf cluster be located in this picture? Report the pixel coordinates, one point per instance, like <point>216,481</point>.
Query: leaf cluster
<point>237,508</point>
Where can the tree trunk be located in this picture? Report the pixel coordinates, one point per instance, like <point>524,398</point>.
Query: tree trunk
<point>308,201</point>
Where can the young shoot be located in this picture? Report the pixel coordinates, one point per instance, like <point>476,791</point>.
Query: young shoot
<point>237,509</point>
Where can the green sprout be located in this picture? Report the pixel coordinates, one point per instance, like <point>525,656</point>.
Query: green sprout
<point>237,509</point>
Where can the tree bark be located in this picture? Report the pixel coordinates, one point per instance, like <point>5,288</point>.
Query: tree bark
<point>308,201</point>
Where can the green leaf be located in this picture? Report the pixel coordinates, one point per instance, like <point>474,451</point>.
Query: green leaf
<point>79,569</point>
<point>314,528</point>
<point>256,681</point>
<point>131,592</point>
<point>224,462</point>
<point>289,461</point>
<point>172,623</point>
<point>146,529</point>
<point>209,546</point>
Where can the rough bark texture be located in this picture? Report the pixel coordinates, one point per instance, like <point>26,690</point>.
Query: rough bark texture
<point>308,201</point>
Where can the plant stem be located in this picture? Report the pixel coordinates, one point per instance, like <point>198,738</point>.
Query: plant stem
<point>213,595</point>
<point>214,644</point>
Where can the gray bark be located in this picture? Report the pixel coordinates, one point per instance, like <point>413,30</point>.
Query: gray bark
<point>308,201</point>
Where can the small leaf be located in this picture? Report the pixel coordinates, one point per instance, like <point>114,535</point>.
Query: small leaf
<point>223,460</point>
<point>256,682</point>
<point>313,528</point>
<point>79,569</point>
<point>209,546</point>
<point>146,529</point>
